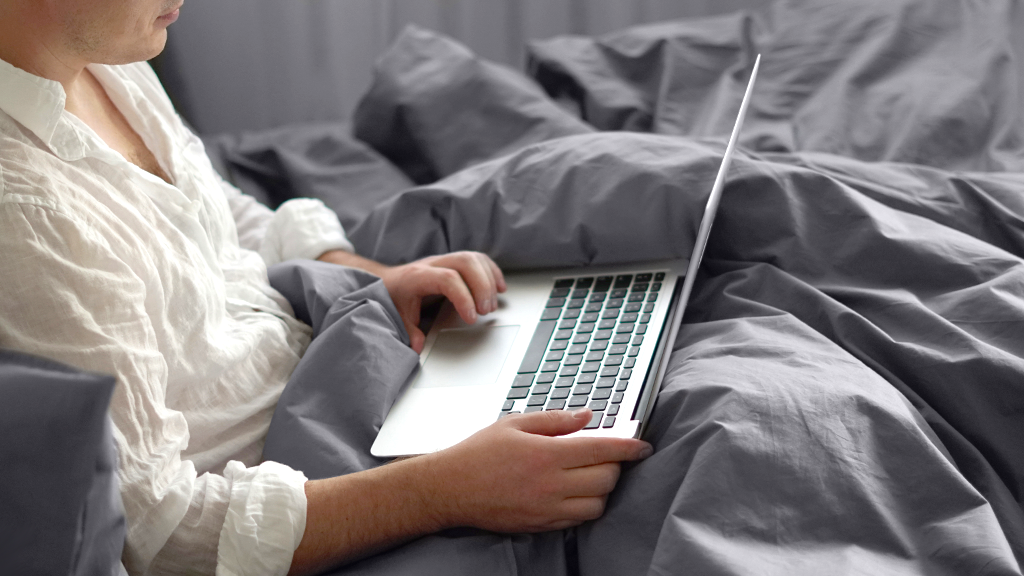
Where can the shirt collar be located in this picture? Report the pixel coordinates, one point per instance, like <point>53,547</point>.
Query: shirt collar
<point>34,102</point>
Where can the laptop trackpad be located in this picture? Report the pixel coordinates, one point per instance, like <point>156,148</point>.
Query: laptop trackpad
<point>467,356</point>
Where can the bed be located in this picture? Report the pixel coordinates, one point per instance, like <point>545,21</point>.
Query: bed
<point>847,392</point>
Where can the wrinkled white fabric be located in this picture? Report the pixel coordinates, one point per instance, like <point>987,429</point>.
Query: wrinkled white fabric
<point>108,268</point>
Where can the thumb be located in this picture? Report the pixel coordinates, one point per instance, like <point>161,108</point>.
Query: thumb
<point>553,422</point>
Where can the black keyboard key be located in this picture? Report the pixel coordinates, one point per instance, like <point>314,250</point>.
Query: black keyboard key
<point>610,314</point>
<point>560,394</point>
<point>638,340</point>
<point>564,283</point>
<point>606,324</point>
<point>620,339</point>
<point>577,302</point>
<point>605,382</point>
<point>641,329</point>
<point>598,405</point>
<point>609,422</point>
<point>648,308</point>
<point>623,280</point>
<point>555,356</point>
<point>585,282</point>
<point>595,356</point>
<point>565,382</point>
<point>581,339</point>
<point>558,345</point>
<point>617,349</point>
<point>563,334</point>
<point>645,277</point>
<point>568,371</point>
<point>577,401</point>
<point>612,410</point>
<point>555,303</point>
<point>591,366</point>
<point>617,398</point>
<point>569,314</point>
<point>634,351</point>
<point>589,316</point>
<point>602,394</point>
<point>625,374</point>
<point>535,351</point>
<point>550,313</point>
<point>559,293</point>
<point>627,318</point>
<point>599,345</point>
<point>629,363</point>
<point>558,404</point>
<point>537,400</point>
<point>577,349</point>
<point>603,283</point>
<point>639,297</point>
<point>546,378</point>
<point>622,385</point>
<point>549,367</point>
<point>522,381</point>
<point>653,296</point>
<point>632,307</point>
<point>644,319</point>
<point>598,296</point>
<point>640,287</point>
<point>609,371</point>
<point>656,286</point>
<point>508,405</point>
<point>585,328</point>
<point>620,293</point>
<point>613,303</point>
<point>580,293</point>
<point>541,389</point>
<point>567,325</point>
<point>602,334</point>
<point>573,360</point>
<point>587,378</point>
<point>533,409</point>
<point>613,361</point>
<point>595,421</point>
<point>593,307</point>
<point>659,276</point>
<point>625,328</point>
<point>583,389</point>
<point>518,393</point>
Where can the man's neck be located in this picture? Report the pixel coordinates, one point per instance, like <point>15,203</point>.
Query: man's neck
<point>29,41</point>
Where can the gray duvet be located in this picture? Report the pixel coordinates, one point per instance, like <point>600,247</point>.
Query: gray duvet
<point>847,392</point>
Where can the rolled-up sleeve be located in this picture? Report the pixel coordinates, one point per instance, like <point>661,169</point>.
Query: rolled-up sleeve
<point>301,228</point>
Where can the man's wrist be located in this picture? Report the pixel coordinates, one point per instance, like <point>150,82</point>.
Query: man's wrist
<point>353,260</point>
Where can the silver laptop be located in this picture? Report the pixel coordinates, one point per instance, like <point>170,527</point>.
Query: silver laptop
<point>597,337</point>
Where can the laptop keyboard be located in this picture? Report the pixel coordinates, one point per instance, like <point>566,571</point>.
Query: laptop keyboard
<point>585,346</point>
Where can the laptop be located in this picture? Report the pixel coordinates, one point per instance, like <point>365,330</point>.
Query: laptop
<point>597,337</point>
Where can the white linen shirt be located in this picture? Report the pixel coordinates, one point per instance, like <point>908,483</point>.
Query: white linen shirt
<point>108,268</point>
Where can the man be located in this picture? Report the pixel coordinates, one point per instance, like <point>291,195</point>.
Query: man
<point>121,251</point>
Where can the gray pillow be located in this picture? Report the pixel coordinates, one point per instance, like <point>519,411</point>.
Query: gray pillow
<point>60,509</point>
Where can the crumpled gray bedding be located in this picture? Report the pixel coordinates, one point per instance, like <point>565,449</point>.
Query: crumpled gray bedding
<point>847,392</point>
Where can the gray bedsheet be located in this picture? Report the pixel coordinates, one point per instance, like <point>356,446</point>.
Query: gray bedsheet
<point>847,393</point>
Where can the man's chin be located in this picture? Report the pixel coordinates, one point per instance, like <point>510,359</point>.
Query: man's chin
<point>141,52</point>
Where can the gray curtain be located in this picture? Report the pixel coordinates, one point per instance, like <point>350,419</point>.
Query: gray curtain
<point>233,65</point>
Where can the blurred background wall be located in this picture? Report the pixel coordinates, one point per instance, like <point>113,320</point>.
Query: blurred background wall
<point>233,65</point>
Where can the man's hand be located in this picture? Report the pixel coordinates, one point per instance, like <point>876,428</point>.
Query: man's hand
<point>471,281</point>
<point>515,476</point>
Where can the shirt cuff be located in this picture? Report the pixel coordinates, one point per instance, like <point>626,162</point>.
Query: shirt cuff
<point>302,228</point>
<point>265,521</point>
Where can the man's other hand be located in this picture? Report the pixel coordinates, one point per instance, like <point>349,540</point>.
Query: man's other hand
<point>516,476</point>
<point>471,281</point>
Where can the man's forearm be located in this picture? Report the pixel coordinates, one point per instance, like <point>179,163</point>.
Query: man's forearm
<point>353,260</point>
<point>353,516</point>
